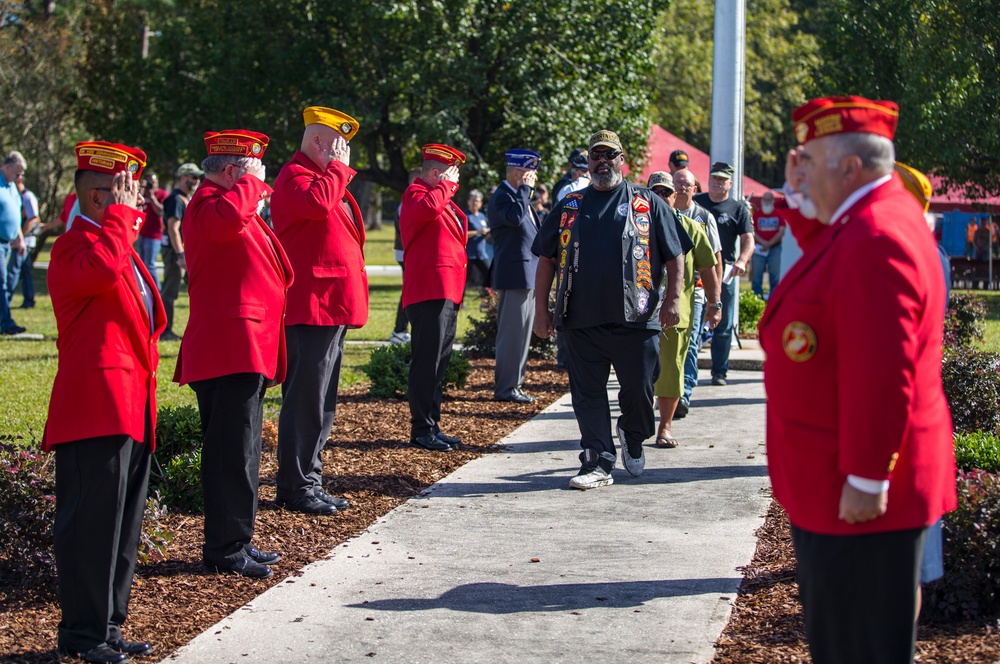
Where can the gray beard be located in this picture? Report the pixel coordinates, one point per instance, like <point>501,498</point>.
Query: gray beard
<point>606,181</point>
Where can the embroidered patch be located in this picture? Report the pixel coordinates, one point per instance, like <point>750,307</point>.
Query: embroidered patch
<point>562,220</point>
<point>623,209</point>
<point>640,204</point>
<point>562,258</point>
<point>564,238</point>
<point>642,224</point>
<point>638,252</point>
<point>576,195</point>
<point>642,301</point>
<point>572,205</point>
<point>799,341</point>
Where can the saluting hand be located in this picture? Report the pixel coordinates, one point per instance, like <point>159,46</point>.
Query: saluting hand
<point>340,150</point>
<point>124,190</point>
<point>792,163</point>
<point>451,175</point>
<point>529,178</point>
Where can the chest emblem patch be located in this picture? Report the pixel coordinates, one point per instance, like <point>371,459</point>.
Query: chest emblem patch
<point>799,341</point>
<point>640,204</point>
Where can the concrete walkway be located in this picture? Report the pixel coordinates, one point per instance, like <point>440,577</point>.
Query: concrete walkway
<point>502,562</point>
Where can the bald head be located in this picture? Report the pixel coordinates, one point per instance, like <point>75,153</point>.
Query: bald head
<point>684,185</point>
<point>317,143</point>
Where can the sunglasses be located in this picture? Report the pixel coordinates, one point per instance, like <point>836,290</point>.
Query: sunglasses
<point>606,155</point>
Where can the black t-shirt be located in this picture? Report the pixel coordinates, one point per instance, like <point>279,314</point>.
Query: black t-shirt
<point>733,219</point>
<point>174,205</point>
<point>597,297</point>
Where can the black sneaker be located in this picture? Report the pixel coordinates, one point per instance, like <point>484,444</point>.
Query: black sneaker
<point>169,336</point>
<point>339,503</point>
<point>16,329</point>
<point>681,411</point>
<point>718,379</point>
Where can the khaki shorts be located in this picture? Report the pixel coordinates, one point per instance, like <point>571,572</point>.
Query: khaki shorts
<point>674,346</point>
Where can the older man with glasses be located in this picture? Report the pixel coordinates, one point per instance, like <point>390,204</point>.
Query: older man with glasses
<point>595,242</point>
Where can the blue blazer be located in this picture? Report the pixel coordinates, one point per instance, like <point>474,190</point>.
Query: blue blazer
<point>513,225</point>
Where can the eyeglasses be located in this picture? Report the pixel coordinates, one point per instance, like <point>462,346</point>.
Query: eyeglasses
<point>606,155</point>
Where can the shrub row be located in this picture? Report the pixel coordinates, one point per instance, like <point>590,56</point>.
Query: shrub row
<point>481,338</point>
<point>388,369</point>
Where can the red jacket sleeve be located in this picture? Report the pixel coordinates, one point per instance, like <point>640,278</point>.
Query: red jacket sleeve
<point>224,217</point>
<point>425,206</point>
<point>311,196</point>
<point>96,268</point>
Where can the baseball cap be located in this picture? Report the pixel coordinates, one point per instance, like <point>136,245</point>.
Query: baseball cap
<point>606,138</point>
<point>721,169</point>
<point>661,179</point>
<point>190,169</point>
<point>679,158</point>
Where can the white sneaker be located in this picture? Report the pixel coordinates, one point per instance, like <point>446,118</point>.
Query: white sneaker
<point>399,338</point>
<point>595,478</point>
<point>634,465</point>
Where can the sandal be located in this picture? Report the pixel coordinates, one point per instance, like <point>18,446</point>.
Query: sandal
<point>665,442</point>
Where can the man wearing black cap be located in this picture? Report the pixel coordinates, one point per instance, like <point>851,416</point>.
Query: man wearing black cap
<point>597,241</point>
<point>735,223</point>
<point>678,160</point>
<point>575,179</point>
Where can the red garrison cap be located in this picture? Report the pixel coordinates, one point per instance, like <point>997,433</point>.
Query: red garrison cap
<point>443,153</point>
<point>236,143</point>
<point>840,115</point>
<point>112,158</point>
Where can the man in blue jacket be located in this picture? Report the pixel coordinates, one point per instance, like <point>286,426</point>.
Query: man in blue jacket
<point>513,225</point>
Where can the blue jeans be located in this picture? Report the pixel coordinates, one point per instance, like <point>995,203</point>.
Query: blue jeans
<point>773,264</point>
<point>15,266</point>
<point>691,361</point>
<point>148,248</point>
<point>6,322</point>
<point>722,338</point>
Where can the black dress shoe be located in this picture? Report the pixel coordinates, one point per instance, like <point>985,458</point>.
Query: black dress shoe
<point>681,411</point>
<point>430,442</point>
<point>103,654</point>
<point>517,396</point>
<point>16,329</point>
<point>453,443</point>
<point>245,566</point>
<point>339,503</point>
<point>307,504</point>
<point>131,647</point>
<point>262,557</point>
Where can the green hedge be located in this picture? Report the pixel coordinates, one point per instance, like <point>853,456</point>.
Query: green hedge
<point>978,450</point>
<point>388,369</point>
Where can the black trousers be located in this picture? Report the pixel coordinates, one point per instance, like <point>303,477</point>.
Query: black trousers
<point>401,321</point>
<point>232,418</point>
<point>171,287</point>
<point>308,406</point>
<point>635,355</point>
<point>859,595</point>
<point>432,331</point>
<point>100,499</point>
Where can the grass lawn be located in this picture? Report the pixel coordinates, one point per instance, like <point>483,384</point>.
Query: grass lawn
<point>992,336</point>
<point>27,368</point>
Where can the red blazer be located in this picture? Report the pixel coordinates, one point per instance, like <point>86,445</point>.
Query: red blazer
<point>324,244</point>
<point>433,243</point>
<point>107,348</point>
<point>238,276</point>
<point>852,337</point>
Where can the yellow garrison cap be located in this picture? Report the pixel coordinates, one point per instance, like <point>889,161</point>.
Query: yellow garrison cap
<point>342,123</point>
<point>916,183</point>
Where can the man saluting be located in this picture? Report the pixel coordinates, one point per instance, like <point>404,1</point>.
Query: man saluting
<point>102,415</point>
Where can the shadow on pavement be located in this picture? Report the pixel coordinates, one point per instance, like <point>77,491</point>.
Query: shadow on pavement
<point>503,598</point>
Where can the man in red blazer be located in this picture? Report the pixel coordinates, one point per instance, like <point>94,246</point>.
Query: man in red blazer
<point>859,433</point>
<point>102,414</point>
<point>434,232</point>
<point>234,345</point>
<point>320,227</point>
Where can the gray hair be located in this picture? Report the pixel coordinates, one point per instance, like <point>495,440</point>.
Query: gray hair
<point>475,193</point>
<point>876,152</point>
<point>15,157</point>
<point>217,163</point>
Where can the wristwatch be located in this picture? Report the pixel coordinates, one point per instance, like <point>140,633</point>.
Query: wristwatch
<point>715,305</point>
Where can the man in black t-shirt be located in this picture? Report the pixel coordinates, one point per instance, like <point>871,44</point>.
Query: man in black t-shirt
<point>734,222</point>
<point>610,245</point>
<point>188,178</point>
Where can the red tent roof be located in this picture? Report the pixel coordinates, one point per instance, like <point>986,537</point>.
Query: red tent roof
<point>662,143</point>
<point>944,201</point>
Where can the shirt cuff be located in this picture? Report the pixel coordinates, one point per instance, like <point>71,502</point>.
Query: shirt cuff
<point>864,485</point>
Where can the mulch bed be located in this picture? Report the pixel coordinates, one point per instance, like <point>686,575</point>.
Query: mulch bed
<point>766,624</point>
<point>367,460</point>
